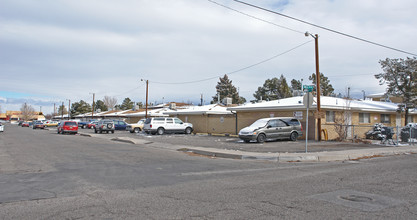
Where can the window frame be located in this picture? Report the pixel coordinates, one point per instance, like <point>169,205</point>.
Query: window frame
<point>368,121</point>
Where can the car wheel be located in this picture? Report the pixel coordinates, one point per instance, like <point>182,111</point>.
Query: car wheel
<point>101,131</point>
<point>293,136</point>
<point>109,126</point>
<point>160,131</point>
<point>112,132</point>
<point>261,138</point>
<point>95,131</point>
<point>57,131</point>
<point>137,130</point>
<point>107,132</point>
<point>188,130</point>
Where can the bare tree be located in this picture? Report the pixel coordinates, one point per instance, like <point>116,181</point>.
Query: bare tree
<point>343,120</point>
<point>27,112</point>
<point>110,102</point>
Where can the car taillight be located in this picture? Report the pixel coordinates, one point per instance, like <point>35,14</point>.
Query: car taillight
<point>150,126</point>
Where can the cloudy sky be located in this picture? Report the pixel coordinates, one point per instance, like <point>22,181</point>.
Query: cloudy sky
<point>52,51</point>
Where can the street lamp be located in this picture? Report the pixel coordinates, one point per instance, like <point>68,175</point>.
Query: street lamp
<point>146,108</point>
<point>316,40</point>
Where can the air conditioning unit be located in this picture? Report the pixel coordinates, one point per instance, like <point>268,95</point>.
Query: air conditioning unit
<point>227,101</point>
<point>172,105</point>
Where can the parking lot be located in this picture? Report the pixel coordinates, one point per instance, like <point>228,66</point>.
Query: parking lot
<point>234,143</point>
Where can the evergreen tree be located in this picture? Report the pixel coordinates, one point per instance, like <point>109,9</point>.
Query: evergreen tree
<point>80,107</point>
<point>400,75</point>
<point>127,104</point>
<point>295,85</point>
<point>273,89</point>
<point>227,90</point>
<point>326,89</point>
<point>100,105</point>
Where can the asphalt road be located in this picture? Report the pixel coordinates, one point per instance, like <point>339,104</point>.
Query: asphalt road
<point>44,175</point>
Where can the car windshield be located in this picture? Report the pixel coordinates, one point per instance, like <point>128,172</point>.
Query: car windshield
<point>259,123</point>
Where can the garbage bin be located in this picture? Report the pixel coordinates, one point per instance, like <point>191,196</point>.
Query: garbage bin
<point>405,134</point>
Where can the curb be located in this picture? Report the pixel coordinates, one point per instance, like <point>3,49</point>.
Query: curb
<point>305,157</point>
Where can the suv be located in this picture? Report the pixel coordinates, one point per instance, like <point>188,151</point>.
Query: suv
<point>104,125</point>
<point>272,128</point>
<point>136,127</point>
<point>67,127</point>
<point>163,125</point>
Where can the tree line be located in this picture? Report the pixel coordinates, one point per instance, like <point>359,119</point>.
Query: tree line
<point>272,89</point>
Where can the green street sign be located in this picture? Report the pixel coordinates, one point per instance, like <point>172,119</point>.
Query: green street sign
<point>308,88</point>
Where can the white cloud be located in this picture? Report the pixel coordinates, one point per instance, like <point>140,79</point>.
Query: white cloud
<point>69,49</point>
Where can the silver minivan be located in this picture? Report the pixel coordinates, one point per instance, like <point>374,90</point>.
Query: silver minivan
<point>272,128</point>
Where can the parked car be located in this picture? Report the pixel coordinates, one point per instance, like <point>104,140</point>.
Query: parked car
<point>27,124</point>
<point>163,125</point>
<point>138,127</point>
<point>67,127</point>
<point>1,127</point>
<point>272,128</point>
<point>82,124</point>
<point>38,124</point>
<point>51,123</point>
<point>104,125</point>
<point>92,124</point>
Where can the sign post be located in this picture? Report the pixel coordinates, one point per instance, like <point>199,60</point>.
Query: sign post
<point>307,101</point>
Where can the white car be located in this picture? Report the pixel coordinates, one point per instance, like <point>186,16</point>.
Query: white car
<point>1,127</point>
<point>163,125</point>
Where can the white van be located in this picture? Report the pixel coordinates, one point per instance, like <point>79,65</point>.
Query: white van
<point>163,125</point>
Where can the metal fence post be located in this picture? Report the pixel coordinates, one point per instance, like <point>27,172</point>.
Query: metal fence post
<point>397,135</point>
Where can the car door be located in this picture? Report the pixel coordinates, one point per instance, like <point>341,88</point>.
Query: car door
<point>179,125</point>
<point>284,129</point>
<point>169,125</point>
<point>271,129</point>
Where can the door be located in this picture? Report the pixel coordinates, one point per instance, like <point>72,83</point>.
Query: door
<point>284,129</point>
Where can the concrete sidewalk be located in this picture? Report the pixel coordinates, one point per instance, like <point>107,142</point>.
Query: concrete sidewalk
<point>323,156</point>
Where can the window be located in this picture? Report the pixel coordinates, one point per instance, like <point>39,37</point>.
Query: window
<point>364,118</point>
<point>169,121</point>
<point>385,118</point>
<point>177,121</point>
<point>330,115</point>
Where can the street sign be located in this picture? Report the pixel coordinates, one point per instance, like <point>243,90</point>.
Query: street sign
<point>308,100</point>
<point>308,88</point>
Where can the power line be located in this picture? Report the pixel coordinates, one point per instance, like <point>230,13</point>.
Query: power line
<point>254,17</point>
<point>327,29</point>
<point>236,71</point>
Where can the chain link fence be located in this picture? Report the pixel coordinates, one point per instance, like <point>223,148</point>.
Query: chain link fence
<point>403,135</point>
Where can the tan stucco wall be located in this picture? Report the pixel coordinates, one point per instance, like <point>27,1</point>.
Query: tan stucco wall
<point>212,124</point>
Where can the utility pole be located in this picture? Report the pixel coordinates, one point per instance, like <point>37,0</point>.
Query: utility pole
<point>201,99</point>
<point>62,111</point>
<point>69,108</point>
<point>92,111</point>
<point>146,108</point>
<point>316,40</point>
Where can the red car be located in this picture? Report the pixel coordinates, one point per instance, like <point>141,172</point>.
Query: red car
<point>26,124</point>
<point>67,127</point>
<point>92,124</point>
